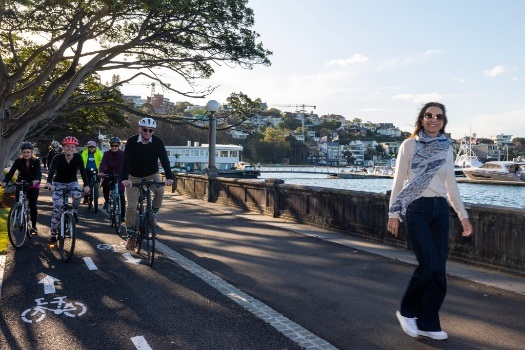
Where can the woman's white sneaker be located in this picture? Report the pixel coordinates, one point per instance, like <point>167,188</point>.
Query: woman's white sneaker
<point>408,325</point>
<point>441,335</point>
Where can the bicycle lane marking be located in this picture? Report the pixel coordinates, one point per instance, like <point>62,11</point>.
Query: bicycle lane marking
<point>290,329</point>
<point>2,268</point>
<point>89,263</point>
<point>140,343</point>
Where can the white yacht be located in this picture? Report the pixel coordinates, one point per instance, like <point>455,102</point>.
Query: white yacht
<point>465,159</point>
<point>497,171</point>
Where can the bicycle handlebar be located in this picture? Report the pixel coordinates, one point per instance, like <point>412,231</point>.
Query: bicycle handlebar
<point>110,176</point>
<point>66,189</point>
<point>21,183</point>
<point>144,182</point>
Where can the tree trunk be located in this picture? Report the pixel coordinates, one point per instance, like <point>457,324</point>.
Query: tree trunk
<point>10,146</point>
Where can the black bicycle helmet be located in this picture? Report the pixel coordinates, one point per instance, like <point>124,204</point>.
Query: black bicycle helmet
<point>27,145</point>
<point>114,139</point>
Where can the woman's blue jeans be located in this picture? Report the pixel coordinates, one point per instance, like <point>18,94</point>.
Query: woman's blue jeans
<point>427,224</point>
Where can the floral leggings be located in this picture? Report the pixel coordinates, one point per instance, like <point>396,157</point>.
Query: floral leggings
<point>58,201</point>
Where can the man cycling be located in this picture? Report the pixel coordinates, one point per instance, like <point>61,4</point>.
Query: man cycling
<point>63,174</point>
<point>92,157</point>
<point>29,170</point>
<point>141,156</point>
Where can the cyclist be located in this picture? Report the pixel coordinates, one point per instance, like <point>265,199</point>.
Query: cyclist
<point>92,157</point>
<point>112,164</point>
<point>29,170</point>
<point>63,174</point>
<point>55,150</point>
<point>141,156</point>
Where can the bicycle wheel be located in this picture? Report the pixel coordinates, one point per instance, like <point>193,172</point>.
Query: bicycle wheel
<point>139,232</point>
<point>95,197</point>
<point>66,237</point>
<point>117,218</point>
<point>150,235</point>
<point>111,210</point>
<point>16,226</point>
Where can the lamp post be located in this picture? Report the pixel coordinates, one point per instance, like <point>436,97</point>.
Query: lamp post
<point>211,107</point>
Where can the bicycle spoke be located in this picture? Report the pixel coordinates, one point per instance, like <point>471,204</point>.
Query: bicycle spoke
<point>151,235</point>
<point>16,226</point>
<point>66,238</point>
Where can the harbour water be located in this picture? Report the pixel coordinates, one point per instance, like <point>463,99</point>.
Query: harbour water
<point>499,195</point>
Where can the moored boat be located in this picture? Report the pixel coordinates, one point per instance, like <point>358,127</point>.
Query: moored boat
<point>497,171</point>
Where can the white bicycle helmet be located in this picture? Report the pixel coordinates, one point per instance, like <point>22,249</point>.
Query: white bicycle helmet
<point>55,144</point>
<point>148,122</point>
<point>92,144</point>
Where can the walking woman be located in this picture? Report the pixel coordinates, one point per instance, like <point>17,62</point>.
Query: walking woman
<point>424,180</point>
<point>29,170</point>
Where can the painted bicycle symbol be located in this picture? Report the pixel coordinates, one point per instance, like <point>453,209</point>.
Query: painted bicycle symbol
<point>111,247</point>
<point>38,312</point>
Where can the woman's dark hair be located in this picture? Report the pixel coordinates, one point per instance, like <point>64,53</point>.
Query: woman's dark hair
<point>419,120</point>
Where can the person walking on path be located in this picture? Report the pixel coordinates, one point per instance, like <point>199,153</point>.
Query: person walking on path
<point>29,170</point>
<point>111,164</point>
<point>63,172</point>
<point>91,157</point>
<point>424,180</point>
<point>141,156</point>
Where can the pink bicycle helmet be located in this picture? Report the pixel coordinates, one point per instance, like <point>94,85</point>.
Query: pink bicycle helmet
<point>70,140</point>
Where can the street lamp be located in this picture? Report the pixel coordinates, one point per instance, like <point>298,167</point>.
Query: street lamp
<point>211,107</point>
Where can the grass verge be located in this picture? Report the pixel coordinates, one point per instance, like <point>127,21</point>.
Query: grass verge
<point>4,240</point>
<point>4,211</point>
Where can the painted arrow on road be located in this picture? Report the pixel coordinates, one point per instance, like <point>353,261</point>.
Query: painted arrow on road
<point>49,284</point>
<point>130,259</point>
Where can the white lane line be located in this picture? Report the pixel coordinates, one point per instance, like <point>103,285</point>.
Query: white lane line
<point>284,325</point>
<point>140,343</point>
<point>90,264</point>
<point>130,259</point>
<point>2,267</point>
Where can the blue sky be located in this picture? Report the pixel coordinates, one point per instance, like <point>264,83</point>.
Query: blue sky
<point>380,61</point>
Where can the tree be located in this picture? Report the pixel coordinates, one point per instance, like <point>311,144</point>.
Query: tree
<point>49,48</point>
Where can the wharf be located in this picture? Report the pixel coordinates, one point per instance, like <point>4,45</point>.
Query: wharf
<point>489,182</point>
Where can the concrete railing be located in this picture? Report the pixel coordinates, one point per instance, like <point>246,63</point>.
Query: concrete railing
<point>498,242</point>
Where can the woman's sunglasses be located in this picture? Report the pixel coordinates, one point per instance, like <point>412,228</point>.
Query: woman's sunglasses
<point>429,116</point>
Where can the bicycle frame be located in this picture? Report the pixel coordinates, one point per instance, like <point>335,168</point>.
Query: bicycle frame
<point>67,229</point>
<point>115,205</point>
<point>146,229</point>
<point>19,221</point>
<point>93,189</point>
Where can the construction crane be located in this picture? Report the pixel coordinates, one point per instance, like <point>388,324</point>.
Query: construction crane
<point>152,84</point>
<point>303,110</point>
<point>303,106</point>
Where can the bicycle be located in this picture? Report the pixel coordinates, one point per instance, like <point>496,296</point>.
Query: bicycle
<point>146,229</point>
<point>38,312</point>
<point>67,226</point>
<point>19,222</point>
<point>93,190</point>
<point>114,205</point>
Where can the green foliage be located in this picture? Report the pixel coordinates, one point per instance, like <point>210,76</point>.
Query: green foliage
<point>51,52</point>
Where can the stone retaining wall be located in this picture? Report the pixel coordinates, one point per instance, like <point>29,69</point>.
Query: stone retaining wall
<point>499,233</point>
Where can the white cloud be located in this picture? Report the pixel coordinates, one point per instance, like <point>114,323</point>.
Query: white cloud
<point>460,80</point>
<point>419,98</point>
<point>498,70</point>
<point>356,58</point>
<point>411,59</point>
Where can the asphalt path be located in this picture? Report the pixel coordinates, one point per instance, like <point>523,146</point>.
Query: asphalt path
<point>223,281</point>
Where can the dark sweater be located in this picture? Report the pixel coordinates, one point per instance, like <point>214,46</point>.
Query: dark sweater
<point>141,160</point>
<point>25,173</point>
<point>63,172</point>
